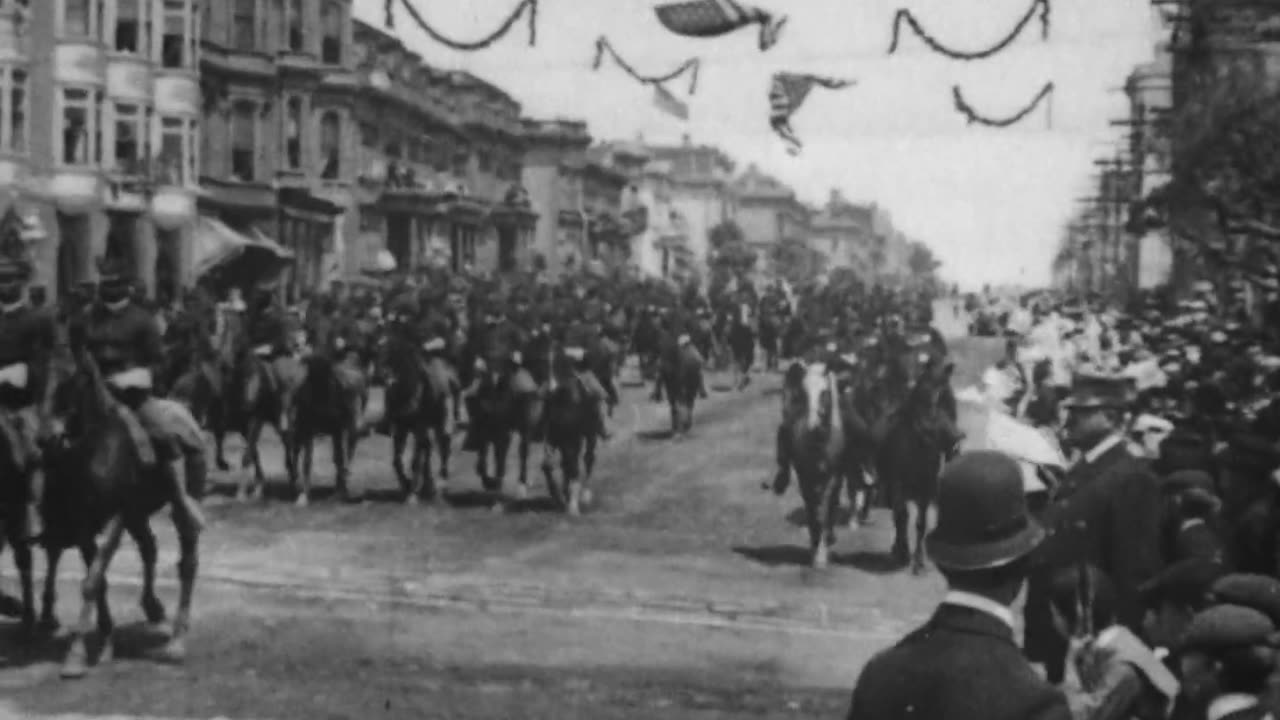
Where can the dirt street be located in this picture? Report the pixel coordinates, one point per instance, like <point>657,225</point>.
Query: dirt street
<point>681,594</point>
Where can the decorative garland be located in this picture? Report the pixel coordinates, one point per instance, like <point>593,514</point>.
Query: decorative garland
<point>963,107</point>
<point>787,92</point>
<point>481,44</point>
<point>689,66</point>
<point>904,15</point>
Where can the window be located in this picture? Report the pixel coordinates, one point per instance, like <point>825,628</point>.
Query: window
<point>77,127</point>
<point>177,45</point>
<point>330,145</point>
<point>331,44</point>
<point>244,23</point>
<point>171,161</point>
<point>131,27</point>
<point>77,18</point>
<point>293,26</point>
<point>13,111</point>
<point>244,141</point>
<point>130,127</point>
<point>293,134</point>
<point>369,135</point>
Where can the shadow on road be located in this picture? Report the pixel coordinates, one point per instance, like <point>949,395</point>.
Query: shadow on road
<point>796,555</point>
<point>657,435</point>
<point>131,641</point>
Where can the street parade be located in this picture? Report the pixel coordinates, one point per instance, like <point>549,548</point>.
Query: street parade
<point>387,380</point>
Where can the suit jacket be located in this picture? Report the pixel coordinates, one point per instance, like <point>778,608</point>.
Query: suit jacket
<point>963,664</point>
<point>1106,513</point>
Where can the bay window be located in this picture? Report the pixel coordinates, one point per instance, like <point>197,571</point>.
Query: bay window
<point>78,18</point>
<point>330,145</point>
<point>293,134</point>
<point>78,118</point>
<point>176,158</point>
<point>244,140</point>
<point>331,41</point>
<point>130,123</point>
<point>13,111</point>
<point>130,26</point>
<point>294,38</point>
<point>179,34</point>
<point>244,24</point>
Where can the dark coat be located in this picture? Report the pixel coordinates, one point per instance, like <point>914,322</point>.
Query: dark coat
<point>1106,513</point>
<point>963,664</point>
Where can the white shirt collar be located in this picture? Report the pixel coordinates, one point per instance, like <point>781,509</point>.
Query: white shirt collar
<point>1096,451</point>
<point>15,306</point>
<point>1191,522</point>
<point>981,604</point>
<point>1224,705</point>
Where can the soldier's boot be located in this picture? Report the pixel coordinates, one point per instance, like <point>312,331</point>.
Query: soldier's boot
<point>33,527</point>
<point>182,474</point>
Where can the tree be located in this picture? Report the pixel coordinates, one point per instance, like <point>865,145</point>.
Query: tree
<point>921,261</point>
<point>796,262</point>
<point>731,256</point>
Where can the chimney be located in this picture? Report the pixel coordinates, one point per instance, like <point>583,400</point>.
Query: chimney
<point>687,140</point>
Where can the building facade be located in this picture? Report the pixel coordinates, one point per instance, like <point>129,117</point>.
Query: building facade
<point>554,164</point>
<point>661,250</point>
<point>99,140</point>
<point>702,178</point>
<point>842,232</point>
<point>770,215</point>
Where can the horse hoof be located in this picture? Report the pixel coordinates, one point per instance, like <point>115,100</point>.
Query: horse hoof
<point>522,492</point>
<point>586,497</point>
<point>574,509</point>
<point>174,652</point>
<point>301,501</point>
<point>153,610</point>
<point>242,496</point>
<point>74,667</point>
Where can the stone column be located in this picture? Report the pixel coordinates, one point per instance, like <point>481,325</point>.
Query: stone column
<point>144,253</point>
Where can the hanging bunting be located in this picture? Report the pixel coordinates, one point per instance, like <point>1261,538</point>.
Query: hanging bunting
<point>689,66</point>
<point>530,6</point>
<point>905,15</point>
<point>963,107</point>
<point>787,92</point>
<point>713,18</point>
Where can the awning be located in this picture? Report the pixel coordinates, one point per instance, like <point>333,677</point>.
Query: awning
<point>215,244</point>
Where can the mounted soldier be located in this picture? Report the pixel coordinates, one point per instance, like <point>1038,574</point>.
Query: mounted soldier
<point>27,338</point>
<point>579,337</point>
<point>124,341</point>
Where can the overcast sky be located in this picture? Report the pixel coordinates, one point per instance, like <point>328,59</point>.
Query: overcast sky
<point>990,202</point>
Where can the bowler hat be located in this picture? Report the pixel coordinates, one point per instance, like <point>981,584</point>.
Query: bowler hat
<point>982,514</point>
<point>1091,391</point>
<point>113,272</point>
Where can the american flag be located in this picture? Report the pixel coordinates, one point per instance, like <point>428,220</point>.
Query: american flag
<point>713,18</point>
<point>787,92</point>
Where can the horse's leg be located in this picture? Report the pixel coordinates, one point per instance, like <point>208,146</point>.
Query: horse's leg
<point>219,428</point>
<point>399,436</point>
<point>341,444</point>
<point>830,507</point>
<point>22,559</point>
<point>549,451</point>
<point>188,564</point>
<point>142,535</point>
<point>251,459</point>
<point>49,600</point>
<point>522,460</point>
<point>569,459</point>
<point>444,448</point>
<point>422,474</point>
<point>306,448</point>
<point>922,527</point>
<point>588,467</point>
<point>76,663</point>
<point>501,448</point>
<point>814,517</point>
<point>901,513</point>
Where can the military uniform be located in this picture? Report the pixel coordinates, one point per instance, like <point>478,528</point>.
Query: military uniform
<point>124,340</point>
<point>579,337</point>
<point>27,337</point>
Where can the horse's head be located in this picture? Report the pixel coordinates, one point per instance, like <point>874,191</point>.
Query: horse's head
<point>818,400</point>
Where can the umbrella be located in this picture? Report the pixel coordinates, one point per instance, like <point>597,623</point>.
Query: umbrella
<point>989,429</point>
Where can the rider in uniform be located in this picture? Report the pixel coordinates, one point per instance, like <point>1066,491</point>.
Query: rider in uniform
<point>27,336</point>
<point>124,340</point>
<point>578,337</point>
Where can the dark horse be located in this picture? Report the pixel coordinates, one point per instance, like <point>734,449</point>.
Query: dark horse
<point>680,376</point>
<point>330,401</point>
<point>100,485</point>
<point>742,345</point>
<point>505,400</point>
<point>417,406</point>
<point>570,435</point>
<point>921,435</point>
<point>813,429</point>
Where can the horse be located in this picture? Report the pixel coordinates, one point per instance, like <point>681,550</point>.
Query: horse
<point>742,346</point>
<point>920,436</point>
<point>417,405</point>
<point>813,429</point>
<point>769,339</point>
<point>101,484</point>
<point>680,375</point>
<point>330,400</point>
<point>570,435</point>
<point>505,401</point>
<point>259,392</point>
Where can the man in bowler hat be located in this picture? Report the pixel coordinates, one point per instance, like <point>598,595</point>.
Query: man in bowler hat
<point>964,663</point>
<point>1106,513</point>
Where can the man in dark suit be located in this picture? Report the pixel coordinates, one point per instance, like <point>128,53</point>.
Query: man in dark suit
<point>1105,513</point>
<point>964,664</point>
